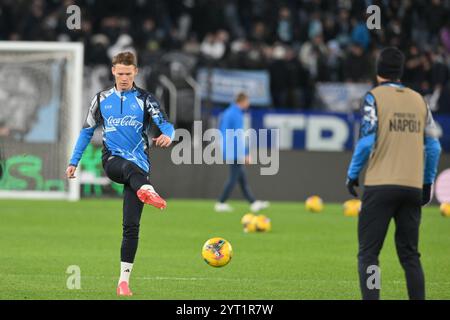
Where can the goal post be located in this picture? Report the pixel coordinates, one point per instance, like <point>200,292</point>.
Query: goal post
<point>40,118</point>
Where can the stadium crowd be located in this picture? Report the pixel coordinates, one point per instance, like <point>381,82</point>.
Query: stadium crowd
<point>300,42</point>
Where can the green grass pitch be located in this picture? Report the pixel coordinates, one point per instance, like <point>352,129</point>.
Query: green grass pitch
<point>305,256</point>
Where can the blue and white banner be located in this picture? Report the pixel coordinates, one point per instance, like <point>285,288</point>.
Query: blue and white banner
<point>342,97</point>
<point>225,84</point>
<point>320,131</point>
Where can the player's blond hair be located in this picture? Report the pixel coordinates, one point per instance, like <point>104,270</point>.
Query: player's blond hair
<point>126,58</point>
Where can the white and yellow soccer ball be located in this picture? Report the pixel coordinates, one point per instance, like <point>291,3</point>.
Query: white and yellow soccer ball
<point>262,223</point>
<point>256,223</point>
<point>314,204</point>
<point>352,207</point>
<point>445,209</point>
<point>217,252</point>
<point>248,223</point>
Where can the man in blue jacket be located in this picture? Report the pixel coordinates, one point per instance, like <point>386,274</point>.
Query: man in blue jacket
<point>236,154</point>
<point>125,113</point>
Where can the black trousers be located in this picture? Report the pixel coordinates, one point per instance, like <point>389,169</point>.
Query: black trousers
<point>132,177</point>
<point>379,205</point>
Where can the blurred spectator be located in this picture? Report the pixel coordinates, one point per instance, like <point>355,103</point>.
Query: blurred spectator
<point>335,60</point>
<point>416,69</point>
<point>440,92</point>
<point>124,43</point>
<point>435,18</point>
<point>148,34</point>
<point>214,45</point>
<point>357,65</point>
<point>32,26</point>
<point>360,34</point>
<point>259,33</point>
<point>278,74</point>
<point>285,26</point>
<point>313,57</point>
<point>330,28</point>
<point>97,52</point>
<point>315,26</point>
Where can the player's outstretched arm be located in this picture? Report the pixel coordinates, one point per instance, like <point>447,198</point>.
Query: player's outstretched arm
<point>90,124</point>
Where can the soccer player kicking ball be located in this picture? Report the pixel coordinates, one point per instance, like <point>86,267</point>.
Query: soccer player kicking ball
<point>124,112</point>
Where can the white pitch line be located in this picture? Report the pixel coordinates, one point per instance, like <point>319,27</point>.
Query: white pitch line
<point>158,278</point>
<point>238,280</point>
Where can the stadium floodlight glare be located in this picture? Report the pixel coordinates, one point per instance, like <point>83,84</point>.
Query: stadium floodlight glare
<point>41,96</point>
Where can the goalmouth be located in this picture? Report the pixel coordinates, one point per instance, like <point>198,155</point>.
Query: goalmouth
<point>40,118</point>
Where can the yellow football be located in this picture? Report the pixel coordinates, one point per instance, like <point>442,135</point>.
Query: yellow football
<point>445,209</point>
<point>262,223</point>
<point>314,204</point>
<point>247,218</point>
<point>248,222</point>
<point>352,207</point>
<point>217,252</point>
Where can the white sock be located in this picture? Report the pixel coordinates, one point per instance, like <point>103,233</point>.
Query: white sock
<point>148,187</point>
<point>125,271</point>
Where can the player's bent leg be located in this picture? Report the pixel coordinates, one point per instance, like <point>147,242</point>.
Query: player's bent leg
<point>137,179</point>
<point>148,195</point>
<point>113,169</point>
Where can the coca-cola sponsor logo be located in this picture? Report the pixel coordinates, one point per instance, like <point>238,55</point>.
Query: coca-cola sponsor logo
<point>127,121</point>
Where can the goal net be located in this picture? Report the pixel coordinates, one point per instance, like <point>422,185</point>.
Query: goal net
<point>40,118</point>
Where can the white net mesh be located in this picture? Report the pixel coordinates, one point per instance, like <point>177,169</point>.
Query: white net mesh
<point>34,120</point>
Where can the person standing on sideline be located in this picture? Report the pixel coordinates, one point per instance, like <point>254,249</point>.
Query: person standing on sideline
<point>236,154</point>
<point>398,139</point>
